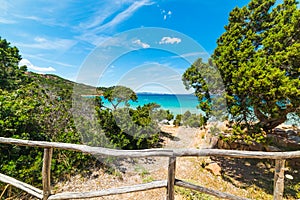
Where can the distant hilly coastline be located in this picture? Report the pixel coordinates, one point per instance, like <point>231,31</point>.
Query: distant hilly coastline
<point>84,89</point>
<point>59,82</point>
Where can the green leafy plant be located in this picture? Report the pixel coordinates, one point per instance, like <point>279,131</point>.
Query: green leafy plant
<point>257,58</point>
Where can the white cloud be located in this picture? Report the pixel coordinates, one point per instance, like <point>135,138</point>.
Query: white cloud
<point>49,44</point>
<point>169,40</point>
<point>98,17</point>
<point>192,54</point>
<point>40,57</point>
<point>40,39</point>
<point>92,38</point>
<point>31,17</point>
<point>6,21</point>
<point>5,7</point>
<point>124,15</point>
<point>30,66</point>
<point>142,44</point>
<point>96,27</point>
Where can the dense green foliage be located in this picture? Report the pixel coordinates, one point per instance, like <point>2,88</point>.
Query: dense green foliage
<point>11,76</point>
<point>34,107</point>
<point>177,121</point>
<point>192,120</point>
<point>122,126</point>
<point>258,59</point>
<point>161,115</point>
<point>189,120</point>
<point>39,107</point>
<point>128,128</point>
<point>119,94</point>
<point>209,88</point>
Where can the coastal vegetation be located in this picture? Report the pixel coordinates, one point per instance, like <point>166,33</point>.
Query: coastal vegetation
<point>39,107</point>
<point>258,59</point>
<point>189,119</point>
<point>35,107</point>
<point>129,128</point>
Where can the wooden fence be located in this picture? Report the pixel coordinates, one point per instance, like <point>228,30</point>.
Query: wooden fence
<point>169,184</point>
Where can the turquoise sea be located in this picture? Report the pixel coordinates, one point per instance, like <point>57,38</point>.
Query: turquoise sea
<point>177,104</point>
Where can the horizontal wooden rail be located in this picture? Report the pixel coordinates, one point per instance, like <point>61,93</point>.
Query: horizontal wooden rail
<point>169,184</point>
<point>112,191</point>
<point>153,152</point>
<point>215,193</point>
<point>90,150</point>
<point>21,185</point>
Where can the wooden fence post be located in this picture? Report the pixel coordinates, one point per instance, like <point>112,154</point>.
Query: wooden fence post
<point>46,172</point>
<point>171,178</point>
<point>279,179</point>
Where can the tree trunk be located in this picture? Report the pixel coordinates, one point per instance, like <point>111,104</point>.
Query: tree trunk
<point>266,123</point>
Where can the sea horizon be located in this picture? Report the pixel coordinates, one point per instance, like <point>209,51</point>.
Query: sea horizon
<point>175,103</point>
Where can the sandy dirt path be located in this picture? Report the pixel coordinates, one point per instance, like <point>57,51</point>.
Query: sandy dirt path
<point>136,171</point>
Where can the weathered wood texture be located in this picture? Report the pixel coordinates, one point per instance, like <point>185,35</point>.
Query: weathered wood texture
<point>169,184</point>
<point>23,186</point>
<point>113,191</point>
<point>46,172</point>
<point>171,178</point>
<point>279,179</point>
<point>212,192</point>
<point>153,152</point>
<point>90,150</point>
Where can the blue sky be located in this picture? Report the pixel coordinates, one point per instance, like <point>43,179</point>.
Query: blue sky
<point>59,37</point>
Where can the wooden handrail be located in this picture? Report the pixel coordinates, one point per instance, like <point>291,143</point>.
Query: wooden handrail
<point>153,152</point>
<point>279,157</point>
<point>111,191</point>
<point>215,193</point>
<point>21,185</point>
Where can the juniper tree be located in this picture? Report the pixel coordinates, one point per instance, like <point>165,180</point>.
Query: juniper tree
<point>258,57</point>
<point>119,94</point>
<point>11,75</point>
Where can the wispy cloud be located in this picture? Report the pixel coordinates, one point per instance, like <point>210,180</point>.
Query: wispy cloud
<point>99,26</point>
<point>5,5</point>
<point>7,21</point>
<point>170,40</point>
<point>42,20</point>
<point>30,66</point>
<point>125,14</point>
<point>142,44</point>
<point>48,44</point>
<point>99,16</point>
<point>48,12</point>
<point>40,57</point>
<point>34,18</point>
<point>192,54</point>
